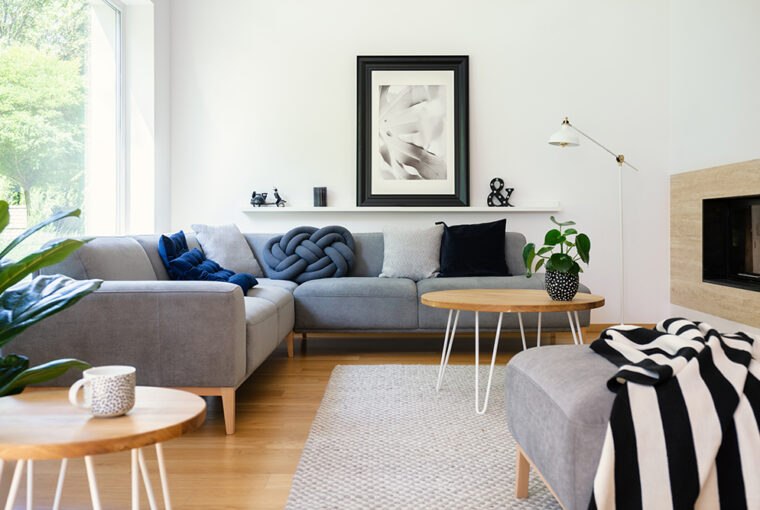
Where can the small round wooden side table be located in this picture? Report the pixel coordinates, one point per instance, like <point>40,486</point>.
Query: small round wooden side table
<point>42,425</point>
<point>502,301</point>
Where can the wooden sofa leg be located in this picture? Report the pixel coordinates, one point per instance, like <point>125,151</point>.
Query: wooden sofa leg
<point>522,475</point>
<point>289,341</point>
<point>228,407</point>
<point>303,337</point>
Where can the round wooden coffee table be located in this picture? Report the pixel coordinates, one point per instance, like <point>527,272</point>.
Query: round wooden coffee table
<point>38,425</point>
<point>502,301</point>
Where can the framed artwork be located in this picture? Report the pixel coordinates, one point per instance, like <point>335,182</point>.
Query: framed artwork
<point>412,131</point>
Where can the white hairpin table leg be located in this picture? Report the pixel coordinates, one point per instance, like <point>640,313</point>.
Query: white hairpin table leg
<point>29,485</point>
<point>164,480</point>
<point>538,331</point>
<point>93,483</point>
<point>448,351</point>
<point>135,481</point>
<point>522,330</point>
<point>146,479</point>
<point>15,482</point>
<point>477,365</point>
<point>59,485</point>
<point>578,327</point>
<point>572,327</point>
<point>443,351</point>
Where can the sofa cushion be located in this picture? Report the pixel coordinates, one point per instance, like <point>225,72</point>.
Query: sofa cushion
<point>110,258</point>
<point>474,250</point>
<point>412,253</point>
<point>435,318</point>
<point>261,336</point>
<point>227,246</point>
<point>170,248</point>
<point>193,265</point>
<point>350,303</point>
<point>282,299</point>
<point>558,407</point>
<point>283,284</point>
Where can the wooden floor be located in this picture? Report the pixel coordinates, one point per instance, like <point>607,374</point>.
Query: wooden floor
<point>253,468</point>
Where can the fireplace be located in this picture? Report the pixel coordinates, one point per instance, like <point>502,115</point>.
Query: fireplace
<point>731,241</point>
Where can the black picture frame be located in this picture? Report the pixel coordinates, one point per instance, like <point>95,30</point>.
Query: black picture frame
<point>366,65</point>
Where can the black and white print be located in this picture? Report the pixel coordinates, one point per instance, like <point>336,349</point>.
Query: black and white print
<point>684,429</point>
<point>412,132</point>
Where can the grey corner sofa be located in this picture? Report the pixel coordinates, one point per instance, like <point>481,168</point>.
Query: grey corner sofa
<point>206,337</point>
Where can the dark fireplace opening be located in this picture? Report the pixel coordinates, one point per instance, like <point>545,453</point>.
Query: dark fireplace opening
<point>731,241</point>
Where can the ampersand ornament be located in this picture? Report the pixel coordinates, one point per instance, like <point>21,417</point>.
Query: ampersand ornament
<point>495,198</point>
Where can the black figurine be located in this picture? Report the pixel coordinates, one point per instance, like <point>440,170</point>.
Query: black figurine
<point>279,201</point>
<point>497,185</point>
<point>258,199</point>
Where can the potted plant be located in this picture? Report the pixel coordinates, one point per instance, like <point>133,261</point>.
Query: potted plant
<point>23,303</point>
<point>562,266</point>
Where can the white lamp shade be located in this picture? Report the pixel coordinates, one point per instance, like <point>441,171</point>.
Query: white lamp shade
<point>565,137</point>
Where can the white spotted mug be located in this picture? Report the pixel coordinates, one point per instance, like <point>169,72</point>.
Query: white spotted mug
<point>108,391</point>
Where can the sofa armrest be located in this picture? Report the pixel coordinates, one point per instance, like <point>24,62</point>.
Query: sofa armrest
<point>175,333</point>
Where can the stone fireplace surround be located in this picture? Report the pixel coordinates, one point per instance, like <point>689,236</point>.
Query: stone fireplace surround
<point>687,190</point>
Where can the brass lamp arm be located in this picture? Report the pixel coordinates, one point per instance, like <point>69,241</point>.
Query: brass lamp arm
<point>618,157</point>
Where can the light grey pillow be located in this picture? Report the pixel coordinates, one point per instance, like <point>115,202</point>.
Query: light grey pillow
<point>412,253</point>
<point>225,245</point>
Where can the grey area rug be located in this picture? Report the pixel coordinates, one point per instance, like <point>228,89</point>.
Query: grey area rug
<point>384,439</point>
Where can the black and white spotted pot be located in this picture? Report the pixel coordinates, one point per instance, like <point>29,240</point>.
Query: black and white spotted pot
<point>561,286</point>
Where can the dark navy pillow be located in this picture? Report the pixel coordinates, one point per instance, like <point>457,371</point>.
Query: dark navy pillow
<point>193,265</point>
<point>170,248</point>
<point>474,250</point>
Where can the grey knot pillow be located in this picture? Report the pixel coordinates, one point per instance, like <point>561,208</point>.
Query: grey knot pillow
<point>412,253</point>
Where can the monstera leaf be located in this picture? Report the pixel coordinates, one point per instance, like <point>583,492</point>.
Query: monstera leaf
<point>38,374</point>
<point>24,303</point>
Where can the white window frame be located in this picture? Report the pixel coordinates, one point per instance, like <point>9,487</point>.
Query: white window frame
<point>122,167</point>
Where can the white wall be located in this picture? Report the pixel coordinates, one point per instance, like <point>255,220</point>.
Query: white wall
<point>263,94</point>
<point>714,94</point>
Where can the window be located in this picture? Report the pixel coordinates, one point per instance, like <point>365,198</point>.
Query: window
<point>61,114</point>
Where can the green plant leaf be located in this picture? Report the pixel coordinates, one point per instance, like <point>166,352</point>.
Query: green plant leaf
<point>569,244</point>
<point>545,249</point>
<point>553,237</point>
<point>561,262</point>
<point>529,253</point>
<point>583,245</point>
<point>570,231</point>
<point>13,272</point>
<point>10,366</point>
<point>45,295</point>
<point>56,217</point>
<point>41,373</point>
<point>539,264</point>
<point>5,215</point>
<point>575,268</point>
<point>561,223</point>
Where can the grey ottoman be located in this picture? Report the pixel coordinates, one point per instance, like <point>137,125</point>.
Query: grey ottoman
<point>558,407</point>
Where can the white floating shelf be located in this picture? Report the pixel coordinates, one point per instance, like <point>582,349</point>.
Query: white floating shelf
<point>543,208</point>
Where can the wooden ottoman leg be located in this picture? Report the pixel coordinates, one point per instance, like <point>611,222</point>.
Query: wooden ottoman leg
<point>228,407</point>
<point>522,475</point>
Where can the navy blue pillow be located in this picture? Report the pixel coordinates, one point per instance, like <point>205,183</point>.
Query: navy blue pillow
<point>193,265</point>
<point>170,248</point>
<point>184,264</point>
<point>474,250</point>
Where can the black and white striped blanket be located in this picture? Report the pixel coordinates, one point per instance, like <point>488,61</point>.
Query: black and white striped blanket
<point>684,430</point>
